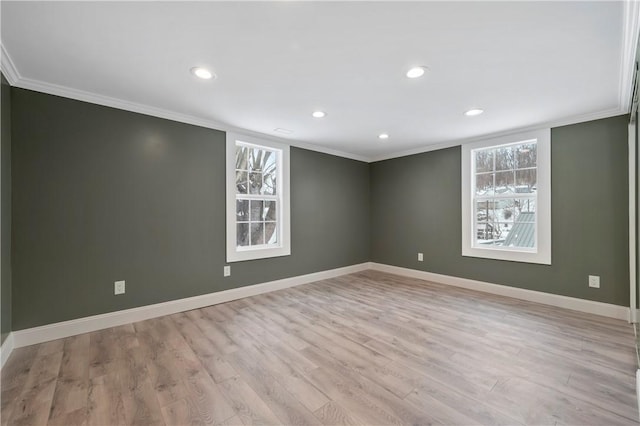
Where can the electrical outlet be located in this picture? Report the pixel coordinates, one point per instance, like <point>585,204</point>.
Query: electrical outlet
<point>118,287</point>
<point>594,281</point>
<point>420,257</point>
<point>227,271</point>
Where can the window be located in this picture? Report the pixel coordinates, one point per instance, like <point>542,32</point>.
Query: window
<point>506,198</point>
<point>257,199</point>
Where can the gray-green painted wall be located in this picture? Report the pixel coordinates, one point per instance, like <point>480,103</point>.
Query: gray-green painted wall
<point>416,201</point>
<point>101,194</point>
<point>5,214</point>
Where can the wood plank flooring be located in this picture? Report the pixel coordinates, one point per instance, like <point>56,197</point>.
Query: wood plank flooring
<point>367,348</point>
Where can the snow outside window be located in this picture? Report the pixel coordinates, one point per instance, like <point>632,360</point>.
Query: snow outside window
<point>506,198</point>
<point>257,199</point>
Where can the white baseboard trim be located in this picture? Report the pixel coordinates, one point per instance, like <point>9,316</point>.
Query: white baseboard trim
<point>45,333</point>
<point>588,306</point>
<point>634,316</point>
<point>6,349</point>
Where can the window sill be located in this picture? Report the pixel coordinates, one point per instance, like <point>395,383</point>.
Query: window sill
<point>255,254</point>
<point>509,255</point>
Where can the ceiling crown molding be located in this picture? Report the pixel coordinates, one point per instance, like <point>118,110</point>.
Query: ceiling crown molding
<point>630,35</point>
<point>8,67</point>
<point>567,121</point>
<point>15,79</point>
<point>630,32</point>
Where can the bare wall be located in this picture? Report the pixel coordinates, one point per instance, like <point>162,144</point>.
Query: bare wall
<point>416,202</point>
<point>101,194</point>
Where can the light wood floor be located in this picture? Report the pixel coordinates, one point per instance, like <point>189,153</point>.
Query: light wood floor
<point>368,348</point>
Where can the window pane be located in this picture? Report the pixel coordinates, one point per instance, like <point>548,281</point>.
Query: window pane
<point>501,230</point>
<point>242,210</point>
<point>269,184</point>
<point>526,206</point>
<point>269,162</point>
<point>505,210</point>
<point>492,233</point>
<point>256,211</point>
<point>487,233</point>
<point>495,220</point>
<point>505,228</point>
<point>485,211</point>
<point>255,182</point>
<point>242,153</point>
<point>255,159</point>
<point>505,158</point>
<point>262,160</point>
<point>524,238</point>
<point>483,232</point>
<point>242,234</point>
<point>526,155</point>
<point>241,182</point>
<point>505,182</point>
<point>484,161</point>
<point>484,184</point>
<point>522,234</point>
<point>257,233</point>
<point>270,234</point>
<point>526,181</point>
<point>270,210</point>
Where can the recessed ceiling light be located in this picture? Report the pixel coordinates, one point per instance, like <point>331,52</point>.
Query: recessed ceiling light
<point>202,73</point>
<point>416,72</point>
<point>474,111</point>
<point>283,131</point>
<point>319,114</point>
<point>383,136</point>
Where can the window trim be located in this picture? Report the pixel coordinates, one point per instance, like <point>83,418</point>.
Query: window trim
<point>284,212</point>
<point>542,253</point>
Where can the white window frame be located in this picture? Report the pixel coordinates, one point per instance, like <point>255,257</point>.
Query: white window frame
<point>283,247</point>
<point>542,252</point>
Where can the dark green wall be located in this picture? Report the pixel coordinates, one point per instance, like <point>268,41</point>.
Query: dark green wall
<point>101,194</point>
<point>5,214</point>
<point>416,203</point>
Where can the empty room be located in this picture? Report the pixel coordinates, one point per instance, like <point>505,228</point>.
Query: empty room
<point>319,213</point>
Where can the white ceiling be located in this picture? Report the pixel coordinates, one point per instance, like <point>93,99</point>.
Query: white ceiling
<point>524,63</point>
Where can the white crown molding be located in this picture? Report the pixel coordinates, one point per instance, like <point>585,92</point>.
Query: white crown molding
<point>573,303</point>
<point>15,79</point>
<point>630,32</point>
<point>81,95</point>
<point>45,333</point>
<point>5,349</point>
<point>582,118</point>
<point>8,67</point>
